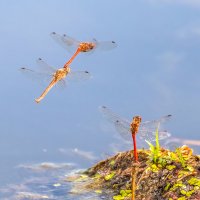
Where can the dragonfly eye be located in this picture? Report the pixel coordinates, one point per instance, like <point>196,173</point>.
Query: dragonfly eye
<point>137,119</point>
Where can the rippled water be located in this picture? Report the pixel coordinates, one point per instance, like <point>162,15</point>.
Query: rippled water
<point>47,181</point>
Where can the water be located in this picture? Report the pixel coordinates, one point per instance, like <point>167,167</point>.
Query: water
<point>153,72</point>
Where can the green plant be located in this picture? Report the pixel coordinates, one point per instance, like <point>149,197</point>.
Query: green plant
<point>180,156</point>
<point>155,150</point>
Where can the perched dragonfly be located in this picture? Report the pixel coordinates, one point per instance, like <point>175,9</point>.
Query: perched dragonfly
<point>72,45</point>
<point>56,76</point>
<point>146,130</point>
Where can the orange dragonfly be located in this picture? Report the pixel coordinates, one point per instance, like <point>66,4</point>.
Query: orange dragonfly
<point>56,76</point>
<point>145,130</point>
<point>72,45</point>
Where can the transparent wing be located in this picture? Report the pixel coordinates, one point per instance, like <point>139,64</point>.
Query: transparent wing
<point>61,84</point>
<point>123,128</point>
<point>65,41</point>
<point>79,75</point>
<point>105,45</point>
<point>44,67</point>
<point>121,125</point>
<point>147,130</point>
<point>111,116</point>
<point>151,135</point>
<point>38,76</point>
<point>153,125</point>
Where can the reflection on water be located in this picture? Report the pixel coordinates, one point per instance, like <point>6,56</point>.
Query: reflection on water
<point>48,181</point>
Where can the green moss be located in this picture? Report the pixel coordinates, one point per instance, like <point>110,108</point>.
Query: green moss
<point>196,188</point>
<point>180,157</point>
<point>189,193</point>
<point>154,168</point>
<point>172,156</point>
<point>123,194</point>
<point>178,185</point>
<point>182,198</point>
<point>194,181</point>
<point>167,187</point>
<point>162,161</point>
<point>109,176</point>
<point>170,167</point>
<point>112,162</point>
<point>98,191</point>
<point>182,173</point>
<point>97,176</point>
<point>118,197</point>
<point>190,168</point>
<point>183,192</point>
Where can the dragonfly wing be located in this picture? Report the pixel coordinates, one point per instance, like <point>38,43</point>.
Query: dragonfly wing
<point>44,67</point>
<point>151,135</point>
<point>124,129</point>
<point>65,41</point>
<point>79,75</point>
<point>153,125</point>
<point>38,76</point>
<point>147,129</point>
<point>105,45</point>
<point>121,125</point>
<point>61,84</point>
<point>111,116</point>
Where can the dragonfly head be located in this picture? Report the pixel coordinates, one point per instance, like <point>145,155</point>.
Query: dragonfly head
<point>86,46</point>
<point>135,124</point>
<point>137,119</point>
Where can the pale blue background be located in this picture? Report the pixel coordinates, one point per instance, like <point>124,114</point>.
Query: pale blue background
<point>154,71</point>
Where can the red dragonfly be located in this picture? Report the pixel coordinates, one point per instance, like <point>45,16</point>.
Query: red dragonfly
<point>56,76</point>
<point>146,130</point>
<point>74,45</point>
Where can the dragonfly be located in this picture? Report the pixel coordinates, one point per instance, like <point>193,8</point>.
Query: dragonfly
<point>56,76</point>
<point>71,44</point>
<point>145,130</point>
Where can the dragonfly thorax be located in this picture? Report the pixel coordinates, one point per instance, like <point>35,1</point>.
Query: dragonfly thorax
<point>86,46</point>
<point>61,73</point>
<point>135,124</point>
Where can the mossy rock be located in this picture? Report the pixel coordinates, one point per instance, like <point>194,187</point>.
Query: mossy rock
<point>170,178</point>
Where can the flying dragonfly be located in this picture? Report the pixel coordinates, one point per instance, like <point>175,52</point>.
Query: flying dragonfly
<point>56,76</point>
<point>71,45</point>
<point>145,130</point>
